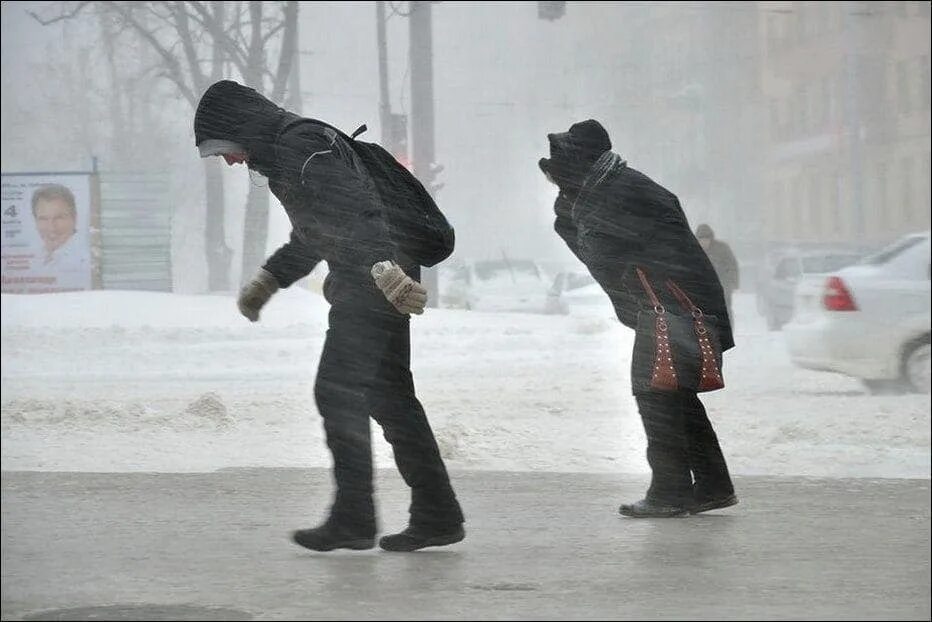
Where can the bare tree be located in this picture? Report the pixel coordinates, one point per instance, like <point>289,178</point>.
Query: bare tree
<point>198,43</point>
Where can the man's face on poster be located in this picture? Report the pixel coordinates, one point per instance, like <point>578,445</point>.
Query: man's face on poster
<point>55,220</point>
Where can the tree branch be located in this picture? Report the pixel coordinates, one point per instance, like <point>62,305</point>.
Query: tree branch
<point>234,52</point>
<point>255,59</point>
<point>287,53</point>
<point>218,60</point>
<point>62,17</point>
<point>172,65</point>
<point>272,31</point>
<point>198,79</point>
<point>150,8</point>
<point>236,25</point>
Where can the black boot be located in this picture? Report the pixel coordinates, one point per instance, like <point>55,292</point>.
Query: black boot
<point>418,537</point>
<point>328,537</point>
<point>651,509</point>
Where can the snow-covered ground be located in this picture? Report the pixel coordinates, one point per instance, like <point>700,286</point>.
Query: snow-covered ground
<point>127,381</point>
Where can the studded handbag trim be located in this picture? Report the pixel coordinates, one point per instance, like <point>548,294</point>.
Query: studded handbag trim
<point>663,375</point>
<point>710,375</point>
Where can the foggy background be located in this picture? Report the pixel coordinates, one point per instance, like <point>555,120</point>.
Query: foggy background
<point>158,447</point>
<point>772,121</point>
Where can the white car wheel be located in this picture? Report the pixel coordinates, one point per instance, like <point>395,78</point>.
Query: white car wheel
<point>917,368</point>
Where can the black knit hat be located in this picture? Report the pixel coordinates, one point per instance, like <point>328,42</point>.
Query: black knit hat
<point>573,153</point>
<point>590,139</point>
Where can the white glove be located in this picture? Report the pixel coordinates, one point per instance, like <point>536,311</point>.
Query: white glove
<point>255,293</point>
<point>405,294</point>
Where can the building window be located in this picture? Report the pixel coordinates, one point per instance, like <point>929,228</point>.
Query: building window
<point>773,33</point>
<point>799,27</point>
<point>786,117</point>
<point>824,99</point>
<point>925,81</point>
<point>834,203</point>
<point>806,21</point>
<point>880,195</point>
<point>778,208</point>
<point>906,208</point>
<point>822,17</point>
<point>796,102</point>
<point>799,211</point>
<point>816,207</point>
<point>927,203</point>
<point>880,203</point>
<point>806,106</point>
<point>902,86</point>
<point>839,96</point>
<point>774,118</point>
<point>838,15</point>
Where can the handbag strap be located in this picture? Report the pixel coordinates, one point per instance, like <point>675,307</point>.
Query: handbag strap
<point>684,299</point>
<point>658,308</point>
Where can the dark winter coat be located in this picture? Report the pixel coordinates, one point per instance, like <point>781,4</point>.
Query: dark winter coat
<point>725,264</point>
<point>331,201</point>
<point>619,219</point>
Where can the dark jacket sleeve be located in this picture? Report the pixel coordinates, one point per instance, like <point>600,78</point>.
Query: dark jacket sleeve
<point>615,231</point>
<point>564,225</point>
<point>293,261</point>
<point>610,266</point>
<point>334,203</point>
<point>600,253</point>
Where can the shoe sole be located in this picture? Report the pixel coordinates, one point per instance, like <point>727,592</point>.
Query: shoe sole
<point>435,541</point>
<point>715,505</point>
<point>664,515</point>
<point>359,544</point>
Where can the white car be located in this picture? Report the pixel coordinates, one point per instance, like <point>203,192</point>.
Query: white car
<point>577,293</point>
<point>775,292</point>
<point>498,285</point>
<point>870,320</point>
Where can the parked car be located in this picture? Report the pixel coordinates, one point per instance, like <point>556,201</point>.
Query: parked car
<point>870,320</point>
<point>578,293</point>
<point>506,285</point>
<point>454,281</point>
<point>783,272</point>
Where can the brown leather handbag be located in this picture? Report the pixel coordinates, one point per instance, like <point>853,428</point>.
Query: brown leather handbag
<point>675,352</point>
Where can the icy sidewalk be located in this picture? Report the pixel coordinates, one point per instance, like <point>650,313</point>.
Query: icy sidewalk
<point>538,546</point>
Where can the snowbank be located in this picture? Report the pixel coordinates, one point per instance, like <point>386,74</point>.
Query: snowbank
<point>125,381</point>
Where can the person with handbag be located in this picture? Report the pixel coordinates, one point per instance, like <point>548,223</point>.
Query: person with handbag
<point>352,205</point>
<point>633,236</point>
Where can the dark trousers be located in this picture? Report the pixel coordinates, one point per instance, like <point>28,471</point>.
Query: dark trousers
<point>729,294</point>
<point>365,369</point>
<point>686,461</point>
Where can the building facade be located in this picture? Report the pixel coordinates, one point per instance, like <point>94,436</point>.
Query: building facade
<point>847,93</point>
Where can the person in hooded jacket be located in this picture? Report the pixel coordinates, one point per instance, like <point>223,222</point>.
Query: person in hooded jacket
<point>616,219</point>
<point>337,216</point>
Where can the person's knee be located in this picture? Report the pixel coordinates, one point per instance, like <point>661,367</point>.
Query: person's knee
<point>335,392</point>
<point>322,392</point>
